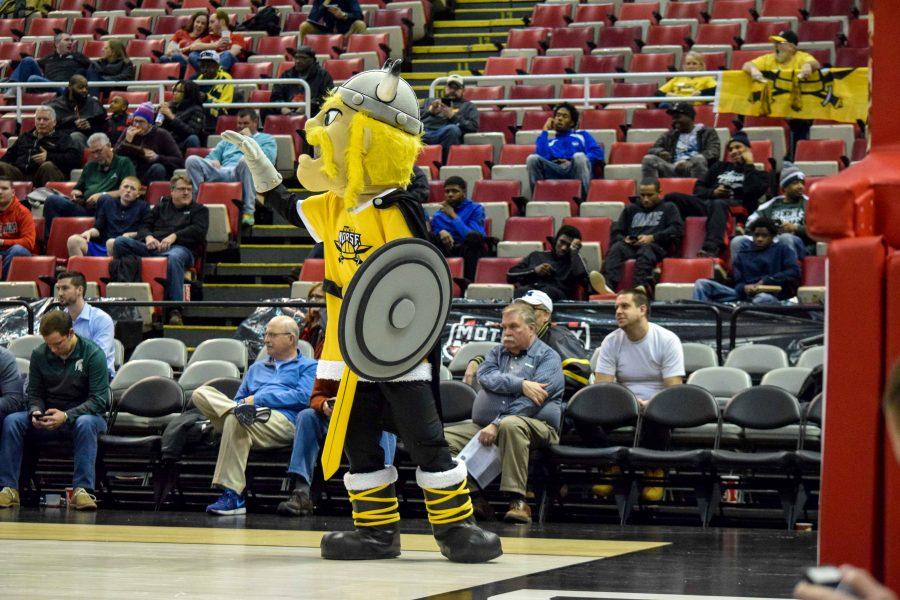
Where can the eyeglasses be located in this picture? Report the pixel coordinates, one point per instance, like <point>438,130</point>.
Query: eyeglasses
<point>270,334</point>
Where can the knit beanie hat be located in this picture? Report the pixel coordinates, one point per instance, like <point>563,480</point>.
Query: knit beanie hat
<point>791,174</point>
<point>146,112</point>
<point>741,137</point>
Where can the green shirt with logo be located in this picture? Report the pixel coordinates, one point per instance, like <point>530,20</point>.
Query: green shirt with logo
<point>77,384</point>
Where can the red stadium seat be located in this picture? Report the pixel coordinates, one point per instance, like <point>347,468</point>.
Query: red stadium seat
<point>169,24</point>
<point>681,185</point>
<point>573,37</point>
<point>558,190</point>
<point>830,8</point>
<point>14,28</point>
<point>290,125</point>
<point>95,26</point>
<point>758,32</point>
<point>628,153</point>
<point>598,63</point>
<point>153,272</point>
<point>156,190</point>
<point>159,71</point>
<point>328,44</point>
<point>456,271</point>
<point>852,57</point>
<point>651,118</point>
<point>620,37</point>
<point>686,10</point>
<point>534,120</point>
<point>820,150</point>
<point>501,121</point>
<point>33,268</point>
<point>652,63</point>
<point>226,122</point>
<point>435,192</point>
<point>528,92</point>
<point>528,229</point>
<point>93,49</point>
<point>552,65</point>
<point>718,33</point>
<point>277,45</point>
<point>496,190</point>
<point>639,11</point>
<point>39,227</point>
<point>819,31</point>
<point>608,118</point>
<point>294,20</point>
<point>145,48</point>
<point>813,270</point>
<point>47,26</point>
<point>136,26</point>
<point>200,5</point>
<point>515,154</point>
<point>858,36</point>
<point>593,229</point>
<point>668,35</point>
<point>259,70</point>
<point>506,65</point>
<point>223,193</point>
<point>430,158</point>
<point>783,8</point>
<point>534,38</point>
<point>593,13</point>
<point>476,154</point>
<point>686,270</point>
<point>494,270</point>
<point>32,99</point>
<point>611,190</point>
<point>694,234</point>
<point>733,9</point>
<point>715,61</point>
<point>345,68</point>
<point>485,92</point>
<point>313,269</point>
<point>739,57</point>
<point>22,188</point>
<point>549,15</point>
<point>370,42</point>
<point>201,152</point>
<point>575,91</point>
<point>260,96</point>
<point>402,18</point>
<point>14,51</point>
<point>94,268</point>
<point>60,230</point>
<point>63,187</point>
<point>634,90</point>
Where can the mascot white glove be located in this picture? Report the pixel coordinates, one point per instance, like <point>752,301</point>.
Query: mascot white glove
<point>265,176</point>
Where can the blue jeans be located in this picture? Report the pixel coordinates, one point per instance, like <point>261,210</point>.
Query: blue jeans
<point>226,60</point>
<point>311,429</point>
<point>58,205</point>
<point>10,253</point>
<point>180,259</point>
<point>539,168</point>
<point>191,141</point>
<point>84,433</point>
<point>156,172</point>
<point>742,242</point>
<point>446,136</point>
<point>29,71</point>
<point>707,290</point>
<point>200,170</point>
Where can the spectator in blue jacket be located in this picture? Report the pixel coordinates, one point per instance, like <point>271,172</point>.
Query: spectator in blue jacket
<point>334,16</point>
<point>571,154</point>
<point>458,226</point>
<point>263,412</point>
<point>765,263</point>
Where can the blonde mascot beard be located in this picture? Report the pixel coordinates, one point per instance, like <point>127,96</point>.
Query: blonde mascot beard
<point>368,136</point>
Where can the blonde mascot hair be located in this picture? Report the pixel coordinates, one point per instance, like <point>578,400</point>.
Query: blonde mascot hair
<point>388,160</point>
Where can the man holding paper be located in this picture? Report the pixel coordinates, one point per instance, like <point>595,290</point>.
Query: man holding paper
<point>519,405</point>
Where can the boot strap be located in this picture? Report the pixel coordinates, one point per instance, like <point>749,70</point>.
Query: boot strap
<point>452,514</point>
<point>376,516</point>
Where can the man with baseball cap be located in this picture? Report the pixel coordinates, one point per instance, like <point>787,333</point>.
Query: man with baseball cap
<point>732,182</point>
<point>307,68</point>
<point>448,118</point>
<point>686,150</point>
<point>575,362</point>
<point>222,93</point>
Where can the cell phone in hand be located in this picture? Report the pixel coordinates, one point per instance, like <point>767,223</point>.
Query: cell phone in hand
<point>38,415</point>
<point>445,101</point>
<point>827,576</point>
<point>330,403</point>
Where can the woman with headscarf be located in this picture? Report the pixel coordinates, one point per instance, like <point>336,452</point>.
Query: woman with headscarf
<point>184,116</point>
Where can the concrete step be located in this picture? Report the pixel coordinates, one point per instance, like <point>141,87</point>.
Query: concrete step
<point>477,26</point>
<point>282,231</point>
<point>255,270</point>
<point>501,12</point>
<point>193,335</point>
<point>455,51</point>
<point>452,37</point>
<point>245,291</point>
<point>446,65</point>
<point>274,253</point>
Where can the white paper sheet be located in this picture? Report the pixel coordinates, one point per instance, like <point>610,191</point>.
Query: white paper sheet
<point>482,462</point>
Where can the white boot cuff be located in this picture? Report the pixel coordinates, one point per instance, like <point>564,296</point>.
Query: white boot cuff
<point>442,479</point>
<point>357,482</point>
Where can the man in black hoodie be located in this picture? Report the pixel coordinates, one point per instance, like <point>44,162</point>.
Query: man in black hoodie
<point>78,114</point>
<point>42,154</point>
<point>60,65</point>
<point>305,67</point>
<point>175,228</point>
<point>557,273</point>
<point>647,231</point>
<point>735,182</point>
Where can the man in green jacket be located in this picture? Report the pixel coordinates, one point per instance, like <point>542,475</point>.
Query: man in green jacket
<point>67,396</point>
<point>103,174</point>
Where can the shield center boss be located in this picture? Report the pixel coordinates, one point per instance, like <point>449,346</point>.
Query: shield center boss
<point>394,309</point>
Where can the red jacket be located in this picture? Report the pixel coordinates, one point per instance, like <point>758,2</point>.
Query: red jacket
<point>17,227</point>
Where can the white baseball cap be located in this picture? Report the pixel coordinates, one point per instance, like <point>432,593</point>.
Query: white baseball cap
<point>538,298</point>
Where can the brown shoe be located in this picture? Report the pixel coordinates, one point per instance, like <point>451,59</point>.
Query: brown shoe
<point>9,497</point>
<point>483,509</point>
<point>82,500</point>
<point>519,512</point>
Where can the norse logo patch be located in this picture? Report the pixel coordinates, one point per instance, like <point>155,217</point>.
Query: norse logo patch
<point>349,245</point>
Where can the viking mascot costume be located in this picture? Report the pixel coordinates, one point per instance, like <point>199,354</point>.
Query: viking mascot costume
<point>392,291</point>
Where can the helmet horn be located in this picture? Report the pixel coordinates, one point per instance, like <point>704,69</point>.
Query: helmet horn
<point>386,91</point>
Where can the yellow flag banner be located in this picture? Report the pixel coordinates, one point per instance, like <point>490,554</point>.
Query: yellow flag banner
<point>833,94</point>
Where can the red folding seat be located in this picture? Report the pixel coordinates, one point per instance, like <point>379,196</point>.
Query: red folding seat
<point>819,150</point>
<point>598,63</point>
<point>39,227</point>
<point>758,32</point>
<point>593,13</point>
<point>328,44</point>
<point>740,57</point>
<point>694,235</point>
<point>93,49</point>
<point>169,24</point>
<point>259,96</point>
<point>313,269</point>
<point>819,31</point>
<point>494,270</point>
<point>628,153</point>
<point>573,37</point>
<point>860,149</point>
<point>500,121</point>
<point>830,8</point>
<point>506,65</point>
<point>485,92</point>
<point>633,90</point>
<point>733,9</point>
<point>686,10</point>
<point>783,8</point>
<point>813,271</point>
<point>528,229</point>
<point>639,11</point>
<point>75,5</point>
<point>379,43</point>
<point>294,20</point>
<point>515,154</point>
<point>430,158</point>
<point>529,92</point>
<point>38,269</point>
<point>136,26</point>
<point>159,71</point>
<point>534,38</point>
<point>399,17</point>
<point>156,190</point>
<point>715,61</point>
<point>94,268</point>
<point>593,229</point>
<point>203,5</point>
<point>549,15</point>
<point>47,26</point>
<point>153,273</point>
<point>558,190</point>
<point>60,231</point>
<point>552,65</point>
<point>686,270</point>
<point>226,194</point>
<point>435,192</point>
<point>22,188</point>
<point>762,153</point>
<point>259,70</point>
<point>476,154</point>
<point>284,66</point>
<point>534,120</point>
<point>341,69</point>
<point>652,63</point>
<point>718,33</point>
<point>277,45</point>
<point>611,190</point>
<point>575,91</point>
<point>620,37</point>
<point>290,125</point>
<point>858,36</point>
<point>63,187</point>
<point>852,57</point>
<point>496,190</point>
<point>651,118</point>
<point>668,35</point>
<point>14,28</point>
<point>145,48</point>
<point>681,185</point>
<point>201,152</point>
<point>14,51</point>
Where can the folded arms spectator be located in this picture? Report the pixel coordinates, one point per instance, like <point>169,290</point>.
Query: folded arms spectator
<point>42,154</point>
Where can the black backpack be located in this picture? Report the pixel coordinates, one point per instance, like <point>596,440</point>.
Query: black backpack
<point>266,19</point>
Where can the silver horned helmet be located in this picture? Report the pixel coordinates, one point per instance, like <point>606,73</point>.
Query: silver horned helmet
<point>384,96</point>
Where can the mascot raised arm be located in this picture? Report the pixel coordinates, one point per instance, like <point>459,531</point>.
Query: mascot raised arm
<point>392,290</point>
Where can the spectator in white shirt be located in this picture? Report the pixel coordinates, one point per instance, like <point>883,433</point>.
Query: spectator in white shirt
<point>645,358</point>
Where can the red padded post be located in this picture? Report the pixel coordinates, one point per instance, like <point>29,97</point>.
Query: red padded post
<point>891,466</point>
